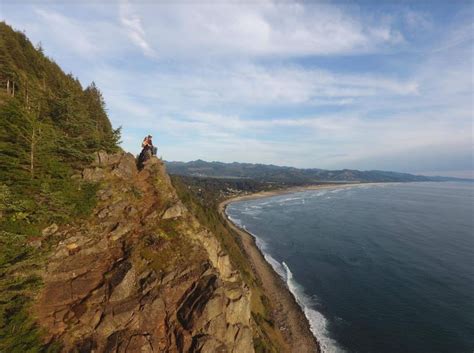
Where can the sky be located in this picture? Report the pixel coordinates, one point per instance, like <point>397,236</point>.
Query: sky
<point>348,84</point>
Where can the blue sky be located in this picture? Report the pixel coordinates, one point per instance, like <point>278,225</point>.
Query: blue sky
<point>346,84</point>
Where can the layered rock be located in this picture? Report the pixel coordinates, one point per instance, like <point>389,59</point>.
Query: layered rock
<point>142,275</point>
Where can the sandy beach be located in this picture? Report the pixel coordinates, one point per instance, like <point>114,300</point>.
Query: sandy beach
<point>291,190</point>
<point>289,315</point>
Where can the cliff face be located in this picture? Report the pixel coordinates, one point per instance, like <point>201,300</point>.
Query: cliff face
<point>141,274</point>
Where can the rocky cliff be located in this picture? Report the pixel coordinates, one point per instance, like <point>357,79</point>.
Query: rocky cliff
<point>141,274</point>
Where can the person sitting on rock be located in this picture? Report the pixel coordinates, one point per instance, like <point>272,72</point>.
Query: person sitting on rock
<point>148,144</point>
<point>148,150</point>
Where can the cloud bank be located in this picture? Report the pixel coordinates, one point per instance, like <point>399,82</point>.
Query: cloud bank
<point>326,85</point>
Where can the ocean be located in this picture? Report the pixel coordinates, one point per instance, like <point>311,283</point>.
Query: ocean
<point>382,268</point>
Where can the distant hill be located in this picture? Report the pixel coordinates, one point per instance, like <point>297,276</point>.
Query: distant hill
<point>289,175</point>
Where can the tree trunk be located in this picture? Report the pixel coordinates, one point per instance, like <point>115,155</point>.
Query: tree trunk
<point>32,152</point>
<point>27,97</point>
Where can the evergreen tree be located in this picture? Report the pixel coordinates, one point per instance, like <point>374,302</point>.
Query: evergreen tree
<point>49,128</point>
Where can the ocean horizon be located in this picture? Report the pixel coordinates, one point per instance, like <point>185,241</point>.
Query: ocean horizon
<point>375,268</point>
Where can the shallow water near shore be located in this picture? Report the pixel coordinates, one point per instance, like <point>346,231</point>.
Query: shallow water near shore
<point>376,268</point>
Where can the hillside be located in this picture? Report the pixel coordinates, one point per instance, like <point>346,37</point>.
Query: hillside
<point>49,127</point>
<point>141,272</point>
<point>288,175</point>
<point>97,256</point>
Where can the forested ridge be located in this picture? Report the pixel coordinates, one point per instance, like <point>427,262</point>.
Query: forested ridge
<point>49,127</point>
<point>267,173</point>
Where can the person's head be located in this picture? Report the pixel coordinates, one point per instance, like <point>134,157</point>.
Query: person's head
<point>149,136</point>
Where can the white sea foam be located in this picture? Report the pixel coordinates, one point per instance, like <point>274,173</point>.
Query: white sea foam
<point>251,213</point>
<point>236,221</point>
<point>313,194</point>
<point>290,199</point>
<point>264,203</point>
<point>317,321</point>
<point>335,191</point>
<point>274,263</point>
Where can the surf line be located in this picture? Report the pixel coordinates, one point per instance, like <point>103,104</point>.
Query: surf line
<point>317,322</point>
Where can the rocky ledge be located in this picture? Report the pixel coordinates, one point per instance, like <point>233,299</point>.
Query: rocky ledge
<point>141,274</point>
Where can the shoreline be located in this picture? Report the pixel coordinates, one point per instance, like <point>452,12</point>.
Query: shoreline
<point>295,189</point>
<point>288,314</point>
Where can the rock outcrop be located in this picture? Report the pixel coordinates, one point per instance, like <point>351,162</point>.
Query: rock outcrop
<point>141,275</point>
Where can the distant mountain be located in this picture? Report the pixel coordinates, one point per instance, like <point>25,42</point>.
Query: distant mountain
<point>289,175</point>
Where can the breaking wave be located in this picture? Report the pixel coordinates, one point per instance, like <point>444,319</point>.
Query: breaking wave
<point>318,323</point>
<point>236,221</point>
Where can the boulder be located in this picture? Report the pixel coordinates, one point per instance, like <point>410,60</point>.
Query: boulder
<point>126,167</point>
<point>101,158</point>
<point>35,242</point>
<point>114,159</point>
<point>93,174</point>
<point>174,211</point>
<point>125,288</point>
<point>50,230</point>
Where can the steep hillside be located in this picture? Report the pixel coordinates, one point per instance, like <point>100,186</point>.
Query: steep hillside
<point>96,256</point>
<point>47,120</point>
<point>49,128</point>
<point>141,274</point>
<point>281,325</point>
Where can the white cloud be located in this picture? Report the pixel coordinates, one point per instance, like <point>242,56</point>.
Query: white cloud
<point>459,34</point>
<point>417,20</point>
<point>265,28</point>
<point>231,81</point>
<point>70,32</point>
<point>245,84</point>
<point>134,27</point>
